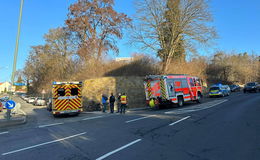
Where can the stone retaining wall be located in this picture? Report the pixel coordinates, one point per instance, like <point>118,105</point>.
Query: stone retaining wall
<point>132,86</point>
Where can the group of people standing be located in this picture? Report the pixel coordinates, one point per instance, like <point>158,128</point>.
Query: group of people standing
<point>121,103</point>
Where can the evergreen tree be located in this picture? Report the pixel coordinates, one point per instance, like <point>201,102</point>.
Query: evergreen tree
<point>172,19</point>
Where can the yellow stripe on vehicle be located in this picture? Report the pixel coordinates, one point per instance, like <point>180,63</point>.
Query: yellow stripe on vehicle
<point>163,90</point>
<point>148,85</point>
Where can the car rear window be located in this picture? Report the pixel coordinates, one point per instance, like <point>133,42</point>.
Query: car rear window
<point>214,88</point>
<point>250,84</point>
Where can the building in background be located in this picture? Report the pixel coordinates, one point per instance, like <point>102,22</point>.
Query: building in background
<point>5,87</point>
<point>124,59</point>
<point>23,90</point>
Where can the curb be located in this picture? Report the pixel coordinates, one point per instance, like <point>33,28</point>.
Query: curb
<point>138,109</point>
<point>91,112</point>
<point>22,119</point>
<point>13,121</point>
<point>127,110</point>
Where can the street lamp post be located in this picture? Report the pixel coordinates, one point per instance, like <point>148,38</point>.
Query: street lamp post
<point>17,41</point>
<point>8,114</point>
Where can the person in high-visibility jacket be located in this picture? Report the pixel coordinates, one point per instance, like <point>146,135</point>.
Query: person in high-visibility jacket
<point>123,100</point>
<point>152,103</point>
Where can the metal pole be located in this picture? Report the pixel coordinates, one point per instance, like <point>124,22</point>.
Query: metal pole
<point>8,114</point>
<point>17,42</point>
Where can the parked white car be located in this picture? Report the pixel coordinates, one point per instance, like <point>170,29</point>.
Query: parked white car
<point>39,102</point>
<point>26,99</point>
<point>31,100</point>
<point>23,96</point>
<point>226,87</point>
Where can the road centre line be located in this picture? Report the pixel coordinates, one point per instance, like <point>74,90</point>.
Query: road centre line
<point>119,149</point>
<point>54,124</point>
<point>3,133</point>
<point>42,144</point>
<point>179,121</point>
<point>137,119</point>
<point>48,125</point>
<point>92,118</point>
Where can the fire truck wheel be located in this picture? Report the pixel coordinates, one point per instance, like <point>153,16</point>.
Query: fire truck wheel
<point>156,107</point>
<point>76,114</point>
<point>180,101</point>
<point>199,100</point>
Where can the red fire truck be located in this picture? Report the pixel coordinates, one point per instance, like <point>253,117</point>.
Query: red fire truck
<point>168,89</point>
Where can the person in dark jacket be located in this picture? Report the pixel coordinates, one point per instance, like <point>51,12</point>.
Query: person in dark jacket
<point>112,102</point>
<point>118,102</point>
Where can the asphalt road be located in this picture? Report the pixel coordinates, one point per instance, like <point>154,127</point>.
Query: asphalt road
<point>220,129</point>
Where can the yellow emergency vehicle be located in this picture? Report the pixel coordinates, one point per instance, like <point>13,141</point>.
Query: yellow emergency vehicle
<point>66,98</point>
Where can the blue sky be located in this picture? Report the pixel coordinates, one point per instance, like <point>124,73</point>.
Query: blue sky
<point>237,23</point>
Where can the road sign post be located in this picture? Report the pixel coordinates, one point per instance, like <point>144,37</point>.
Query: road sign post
<point>8,114</point>
<point>9,106</point>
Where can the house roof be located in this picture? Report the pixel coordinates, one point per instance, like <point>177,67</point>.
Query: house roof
<point>4,83</point>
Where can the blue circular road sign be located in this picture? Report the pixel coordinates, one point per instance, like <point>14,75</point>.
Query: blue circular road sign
<point>10,104</point>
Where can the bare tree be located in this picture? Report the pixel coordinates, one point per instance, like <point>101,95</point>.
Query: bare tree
<point>164,25</point>
<point>233,68</point>
<point>60,45</point>
<point>52,61</point>
<point>97,25</point>
<point>61,41</point>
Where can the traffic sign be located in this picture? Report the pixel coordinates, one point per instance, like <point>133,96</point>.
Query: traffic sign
<point>19,84</point>
<point>10,104</point>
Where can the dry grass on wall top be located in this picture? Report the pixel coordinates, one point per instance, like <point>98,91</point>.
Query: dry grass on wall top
<point>132,86</point>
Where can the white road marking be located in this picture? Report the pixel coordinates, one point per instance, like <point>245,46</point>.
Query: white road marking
<point>42,144</point>
<point>3,133</point>
<point>48,125</point>
<point>197,107</point>
<point>92,118</point>
<point>119,149</point>
<point>179,121</point>
<point>137,119</point>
